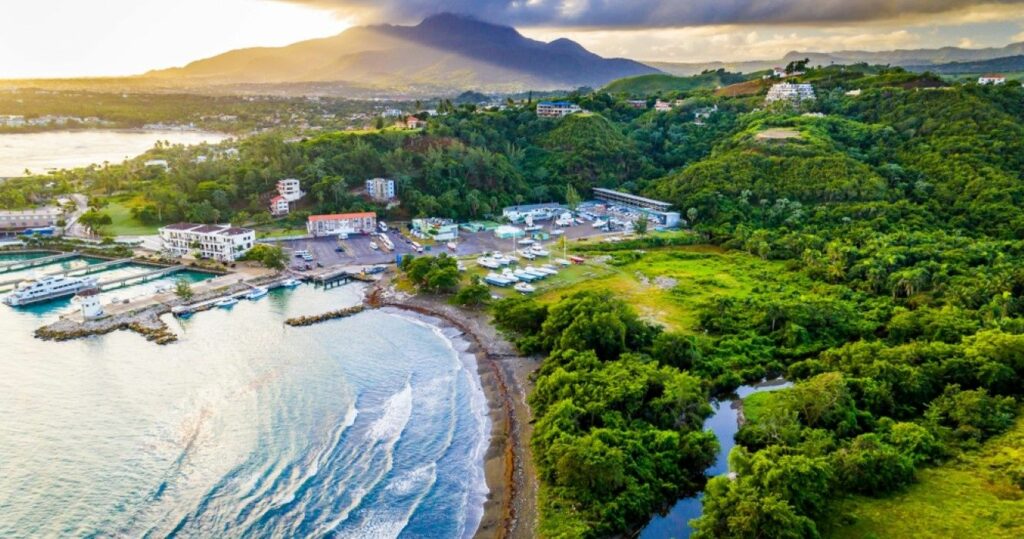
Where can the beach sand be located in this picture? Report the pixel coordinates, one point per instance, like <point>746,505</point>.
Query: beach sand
<point>511,507</point>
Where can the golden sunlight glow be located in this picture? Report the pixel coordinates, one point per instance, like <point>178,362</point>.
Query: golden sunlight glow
<point>74,38</point>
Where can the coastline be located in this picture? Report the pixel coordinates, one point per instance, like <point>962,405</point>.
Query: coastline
<point>510,509</point>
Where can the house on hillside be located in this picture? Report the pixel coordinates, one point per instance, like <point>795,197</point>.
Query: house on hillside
<point>557,109</point>
<point>662,106</point>
<point>380,189</point>
<point>639,104</point>
<point>279,206</point>
<point>790,92</point>
<point>289,190</point>
<point>412,122</point>
<point>994,79</point>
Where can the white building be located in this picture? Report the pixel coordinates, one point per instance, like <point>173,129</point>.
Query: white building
<point>533,212</point>
<point>89,303</point>
<point>342,223</point>
<point>279,206</point>
<point>556,109</point>
<point>290,189</point>
<point>161,163</point>
<point>994,79</point>
<point>381,189</point>
<point>662,106</point>
<point>790,92</point>
<point>219,242</point>
<point>436,229</point>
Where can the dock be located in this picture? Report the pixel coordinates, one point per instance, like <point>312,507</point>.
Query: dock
<point>121,282</point>
<point>36,262</point>
<point>333,278</point>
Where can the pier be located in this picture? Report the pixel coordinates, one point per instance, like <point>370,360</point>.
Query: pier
<point>333,278</point>
<point>94,268</point>
<point>36,262</point>
<point>121,282</point>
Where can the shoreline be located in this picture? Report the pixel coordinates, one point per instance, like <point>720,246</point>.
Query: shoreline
<point>510,509</point>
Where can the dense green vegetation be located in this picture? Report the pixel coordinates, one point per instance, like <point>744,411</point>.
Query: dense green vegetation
<point>660,83</point>
<point>883,243</point>
<point>616,433</point>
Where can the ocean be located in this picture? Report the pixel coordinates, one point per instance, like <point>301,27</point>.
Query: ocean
<point>370,426</point>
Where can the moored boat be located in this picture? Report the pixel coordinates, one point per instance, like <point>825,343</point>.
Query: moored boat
<point>524,288</point>
<point>257,293</point>
<point>48,288</point>
<point>227,303</point>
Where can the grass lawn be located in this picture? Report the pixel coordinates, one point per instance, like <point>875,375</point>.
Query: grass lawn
<point>120,212</point>
<point>968,497</point>
<point>280,232</point>
<point>667,285</point>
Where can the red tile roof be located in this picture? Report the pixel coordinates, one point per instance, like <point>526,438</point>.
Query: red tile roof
<point>341,216</point>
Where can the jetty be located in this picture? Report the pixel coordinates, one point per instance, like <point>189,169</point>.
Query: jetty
<point>121,282</point>
<point>36,262</point>
<point>336,277</point>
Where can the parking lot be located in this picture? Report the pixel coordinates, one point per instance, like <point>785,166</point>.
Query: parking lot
<point>356,250</point>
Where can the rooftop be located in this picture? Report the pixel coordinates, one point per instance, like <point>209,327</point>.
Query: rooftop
<point>340,216</point>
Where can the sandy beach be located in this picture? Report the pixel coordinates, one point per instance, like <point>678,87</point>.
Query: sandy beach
<point>511,507</point>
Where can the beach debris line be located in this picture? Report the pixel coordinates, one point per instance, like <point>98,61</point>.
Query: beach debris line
<point>302,321</point>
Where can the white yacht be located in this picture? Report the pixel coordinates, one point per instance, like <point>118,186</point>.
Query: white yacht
<point>257,293</point>
<point>524,288</point>
<point>290,283</point>
<point>487,262</point>
<point>47,288</point>
<point>227,303</point>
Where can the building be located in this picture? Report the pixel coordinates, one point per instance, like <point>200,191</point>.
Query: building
<point>89,303</point>
<point>639,104</point>
<point>656,209</point>
<point>380,189</point>
<point>662,106</point>
<point>290,189</point>
<point>160,163</point>
<point>218,242</point>
<point>18,220</point>
<point>507,232</point>
<point>994,79</point>
<point>702,114</point>
<point>533,212</point>
<point>412,122</point>
<point>557,109</point>
<point>436,229</point>
<point>279,206</point>
<point>790,92</point>
<point>342,223</point>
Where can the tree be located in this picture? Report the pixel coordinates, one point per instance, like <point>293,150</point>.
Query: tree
<point>183,289</point>
<point>640,225</point>
<point>270,256</point>
<point>572,197</point>
<point>94,220</point>
<point>476,294</point>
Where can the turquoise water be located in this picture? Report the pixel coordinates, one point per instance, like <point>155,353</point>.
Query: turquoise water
<point>371,426</point>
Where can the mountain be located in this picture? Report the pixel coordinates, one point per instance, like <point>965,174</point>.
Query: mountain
<point>1008,64</point>
<point>446,50</point>
<point>917,58</point>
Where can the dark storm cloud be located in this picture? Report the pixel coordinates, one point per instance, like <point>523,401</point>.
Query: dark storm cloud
<point>649,13</point>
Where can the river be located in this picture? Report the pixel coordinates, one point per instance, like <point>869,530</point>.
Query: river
<point>371,426</point>
<point>724,422</point>
<point>39,152</point>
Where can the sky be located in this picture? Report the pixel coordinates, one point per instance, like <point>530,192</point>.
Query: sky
<point>71,38</point>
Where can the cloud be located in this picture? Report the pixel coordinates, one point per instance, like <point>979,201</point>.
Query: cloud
<point>657,13</point>
<point>733,43</point>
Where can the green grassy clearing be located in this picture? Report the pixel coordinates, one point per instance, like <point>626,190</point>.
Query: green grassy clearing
<point>972,496</point>
<point>667,285</point>
<point>124,224</point>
